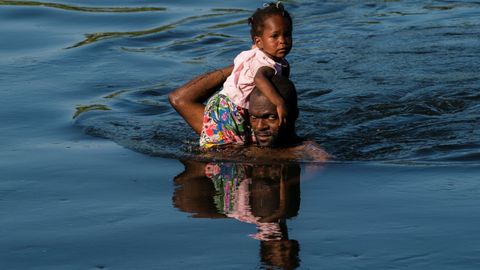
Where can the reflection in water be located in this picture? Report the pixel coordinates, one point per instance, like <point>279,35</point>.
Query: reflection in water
<point>260,194</point>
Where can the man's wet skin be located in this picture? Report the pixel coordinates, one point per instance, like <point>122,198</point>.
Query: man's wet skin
<point>264,121</point>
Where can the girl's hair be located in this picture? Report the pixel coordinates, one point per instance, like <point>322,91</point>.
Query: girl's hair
<point>257,20</point>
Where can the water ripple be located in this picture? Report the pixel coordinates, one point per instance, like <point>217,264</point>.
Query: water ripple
<point>94,37</point>
<point>384,80</point>
<point>82,9</point>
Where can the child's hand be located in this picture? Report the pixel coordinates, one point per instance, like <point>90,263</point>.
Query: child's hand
<point>282,114</point>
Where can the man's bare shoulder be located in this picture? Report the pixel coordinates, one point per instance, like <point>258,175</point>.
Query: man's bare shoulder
<point>306,151</point>
<point>309,151</point>
<point>302,151</point>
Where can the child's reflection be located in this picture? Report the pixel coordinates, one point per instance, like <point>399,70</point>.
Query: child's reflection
<point>264,195</point>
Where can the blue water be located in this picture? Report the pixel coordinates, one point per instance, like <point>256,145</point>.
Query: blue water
<point>377,81</point>
<point>90,147</point>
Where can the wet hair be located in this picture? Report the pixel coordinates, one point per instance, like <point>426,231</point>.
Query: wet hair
<point>287,91</point>
<point>257,20</point>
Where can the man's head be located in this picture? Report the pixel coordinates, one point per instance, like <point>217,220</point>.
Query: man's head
<point>264,117</point>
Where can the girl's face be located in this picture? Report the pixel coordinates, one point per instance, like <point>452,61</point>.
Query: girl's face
<point>276,39</point>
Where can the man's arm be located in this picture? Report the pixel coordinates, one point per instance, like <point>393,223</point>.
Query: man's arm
<point>188,99</point>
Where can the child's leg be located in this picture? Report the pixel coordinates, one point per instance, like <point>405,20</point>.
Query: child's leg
<point>224,123</point>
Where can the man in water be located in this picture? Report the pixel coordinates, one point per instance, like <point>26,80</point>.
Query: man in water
<point>272,141</point>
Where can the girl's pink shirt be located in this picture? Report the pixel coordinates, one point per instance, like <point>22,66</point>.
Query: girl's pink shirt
<point>240,83</point>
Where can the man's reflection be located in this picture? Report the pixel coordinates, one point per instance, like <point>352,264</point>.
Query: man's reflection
<point>264,195</point>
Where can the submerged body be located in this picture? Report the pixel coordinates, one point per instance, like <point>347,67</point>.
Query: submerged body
<point>273,142</point>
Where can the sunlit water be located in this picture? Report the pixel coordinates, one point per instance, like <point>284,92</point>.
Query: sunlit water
<point>395,81</point>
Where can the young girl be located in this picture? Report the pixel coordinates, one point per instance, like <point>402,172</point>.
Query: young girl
<point>226,116</point>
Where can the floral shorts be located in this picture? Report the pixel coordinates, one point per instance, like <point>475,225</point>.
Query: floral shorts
<point>224,123</point>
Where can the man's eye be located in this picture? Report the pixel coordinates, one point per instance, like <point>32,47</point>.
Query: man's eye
<point>272,117</point>
<point>253,117</point>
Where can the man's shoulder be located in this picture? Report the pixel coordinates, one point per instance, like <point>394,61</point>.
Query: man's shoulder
<point>304,151</point>
<point>298,150</point>
<point>309,150</point>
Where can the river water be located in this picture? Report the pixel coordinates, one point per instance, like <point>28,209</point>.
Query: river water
<point>90,147</point>
<point>377,80</point>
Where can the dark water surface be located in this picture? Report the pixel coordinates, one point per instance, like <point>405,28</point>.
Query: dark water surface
<point>377,80</point>
<point>389,81</point>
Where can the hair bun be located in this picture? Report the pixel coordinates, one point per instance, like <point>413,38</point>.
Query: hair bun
<point>278,5</point>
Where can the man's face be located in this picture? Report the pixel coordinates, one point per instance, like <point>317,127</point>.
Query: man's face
<point>264,121</point>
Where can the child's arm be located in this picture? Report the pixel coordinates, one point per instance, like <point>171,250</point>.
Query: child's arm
<point>263,83</point>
